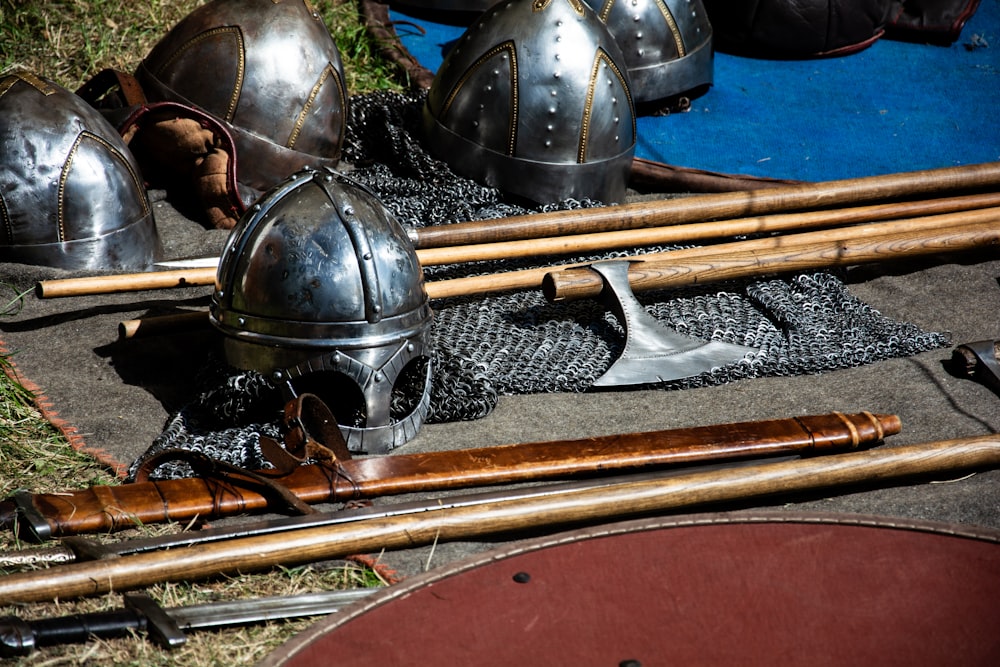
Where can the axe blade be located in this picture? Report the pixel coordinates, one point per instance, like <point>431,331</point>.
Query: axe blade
<point>653,352</point>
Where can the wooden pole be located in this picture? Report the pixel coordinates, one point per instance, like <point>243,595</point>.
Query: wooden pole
<point>551,511</point>
<point>125,282</point>
<point>740,259</point>
<point>799,252</point>
<point>525,279</point>
<point>722,206</point>
<point>577,243</point>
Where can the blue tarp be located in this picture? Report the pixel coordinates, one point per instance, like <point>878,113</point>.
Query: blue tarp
<point>895,106</point>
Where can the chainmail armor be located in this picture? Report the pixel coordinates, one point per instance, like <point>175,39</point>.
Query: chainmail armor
<point>518,343</point>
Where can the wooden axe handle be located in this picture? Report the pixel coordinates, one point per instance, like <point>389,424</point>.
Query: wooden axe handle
<point>797,252</point>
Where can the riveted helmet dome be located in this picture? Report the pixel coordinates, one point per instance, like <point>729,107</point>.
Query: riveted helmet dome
<point>533,100</point>
<point>71,194</point>
<point>320,287</point>
<point>269,70</point>
<point>450,5</point>
<point>667,44</point>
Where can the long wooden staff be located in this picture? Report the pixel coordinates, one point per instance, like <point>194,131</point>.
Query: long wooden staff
<point>722,206</point>
<point>878,242</point>
<point>801,252</point>
<point>575,244</point>
<point>916,228</point>
<point>557,510</point>
<point>579,244</point>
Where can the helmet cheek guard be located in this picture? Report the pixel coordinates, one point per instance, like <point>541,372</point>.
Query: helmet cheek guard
<point>320,287</point>
<point>534,100</point>
<point>71,193</point>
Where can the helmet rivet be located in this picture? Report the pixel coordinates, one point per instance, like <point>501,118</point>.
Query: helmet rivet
<point>242,321</point>
<point>528,25</point>
<point>348,210</point>
<point>367,256</point>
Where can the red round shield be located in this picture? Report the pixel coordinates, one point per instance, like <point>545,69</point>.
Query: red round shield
<point>712,589</point>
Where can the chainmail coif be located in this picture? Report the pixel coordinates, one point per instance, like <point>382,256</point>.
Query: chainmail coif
<point>518,343</point>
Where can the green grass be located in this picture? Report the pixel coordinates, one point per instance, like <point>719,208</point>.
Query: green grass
<point>69,42</point>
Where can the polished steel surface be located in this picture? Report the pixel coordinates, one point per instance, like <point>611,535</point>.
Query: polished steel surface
<point>269,70</point>
<point>319,281</point>
<point>534,100</point>
<point>71,194</point>
<point>667,44</point>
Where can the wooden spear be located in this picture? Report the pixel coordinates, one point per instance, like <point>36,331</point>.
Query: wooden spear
<point>574,244</point>
<point>800,252</point>
<point>722,206</point>
<point>879,467</point>
<point>916,228</point>
<point>862,244</point>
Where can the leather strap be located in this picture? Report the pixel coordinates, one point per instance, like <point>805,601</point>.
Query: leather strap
<point>209,468</point>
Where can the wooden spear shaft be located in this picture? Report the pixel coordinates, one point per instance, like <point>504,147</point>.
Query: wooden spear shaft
<point>786,198</point>
<point>808,253</point>
<point>862,244</point>
<point>615,502</point>
<point>571,244</point>
<point>525,279</point>
<point>702,231</point>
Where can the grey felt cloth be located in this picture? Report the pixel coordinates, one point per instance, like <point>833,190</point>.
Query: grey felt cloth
<point>117,394</point>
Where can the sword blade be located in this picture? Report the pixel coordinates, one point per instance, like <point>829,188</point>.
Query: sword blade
<point>166,626</point>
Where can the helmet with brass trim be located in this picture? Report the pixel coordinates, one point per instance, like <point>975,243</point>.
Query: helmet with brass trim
<point>71,193</point>
<point>534,100</point>
<point>667,44</point>
<point>269,70</point>
<point>319,286</point>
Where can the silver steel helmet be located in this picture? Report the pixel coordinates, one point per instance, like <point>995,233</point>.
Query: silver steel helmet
<point>269,70</point>
<point>448,5</point>
<point>71,194</point>
<point>533,100</point>
<point>319,286</point>
<point>667,44</point>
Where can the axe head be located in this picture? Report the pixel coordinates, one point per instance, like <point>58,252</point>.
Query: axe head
<point>653,352</point>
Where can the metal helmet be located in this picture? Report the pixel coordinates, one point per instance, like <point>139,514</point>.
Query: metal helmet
<point>533,100</point>
<point>269,70</point>
<point>71,194</point>
<point>464,6</point>
<point>320,287</point>
<point>667,44</point>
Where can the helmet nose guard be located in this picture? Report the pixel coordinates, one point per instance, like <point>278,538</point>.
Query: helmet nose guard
<point>533,99</point>
<point>320,287</point>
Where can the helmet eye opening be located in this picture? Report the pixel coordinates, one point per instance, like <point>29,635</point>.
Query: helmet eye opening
<point>339,392</point>
<point>346,399</point>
